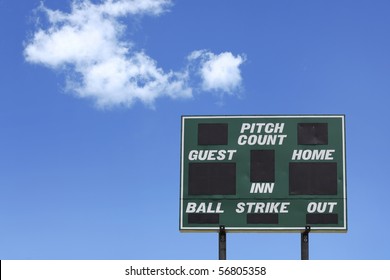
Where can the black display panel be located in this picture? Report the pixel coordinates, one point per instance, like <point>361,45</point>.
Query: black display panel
<point>321,219</point>
<point>313,178</point>
<point>312,134</point>
<point>201,218</point>
<point>262,166</point>
<point>212,134</point>
<point>266,218</point>
<point>212,178</point>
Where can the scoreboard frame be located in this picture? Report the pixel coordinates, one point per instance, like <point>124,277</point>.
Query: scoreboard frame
<point>299,159</point>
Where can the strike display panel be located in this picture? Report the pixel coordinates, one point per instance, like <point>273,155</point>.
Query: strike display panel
<point>263,173</point>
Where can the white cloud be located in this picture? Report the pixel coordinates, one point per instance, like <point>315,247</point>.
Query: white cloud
<point>87,44</point>
<point>219,72</point>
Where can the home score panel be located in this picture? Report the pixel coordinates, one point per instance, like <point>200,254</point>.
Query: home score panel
<point>263,173</point>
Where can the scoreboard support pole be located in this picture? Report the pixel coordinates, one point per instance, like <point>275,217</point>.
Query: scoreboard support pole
<point>222,243</point>
<point>305,244</point>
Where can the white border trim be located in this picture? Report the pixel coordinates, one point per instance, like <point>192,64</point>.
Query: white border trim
<point>263,229</point>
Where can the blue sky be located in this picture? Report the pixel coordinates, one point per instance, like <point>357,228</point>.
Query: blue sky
<point>90,106</point>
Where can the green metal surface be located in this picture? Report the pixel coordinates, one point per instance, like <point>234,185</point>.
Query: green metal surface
<point>271,199</point>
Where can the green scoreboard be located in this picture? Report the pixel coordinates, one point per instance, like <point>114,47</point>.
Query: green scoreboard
<point>263,173</point>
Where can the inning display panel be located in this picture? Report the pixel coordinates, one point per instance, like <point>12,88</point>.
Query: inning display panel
<point>263,173</point>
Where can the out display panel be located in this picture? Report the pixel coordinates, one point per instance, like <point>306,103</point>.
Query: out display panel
<point>263,173</point>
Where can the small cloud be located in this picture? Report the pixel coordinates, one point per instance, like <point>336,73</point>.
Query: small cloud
<point>88,45</point>
<point>219,72</point>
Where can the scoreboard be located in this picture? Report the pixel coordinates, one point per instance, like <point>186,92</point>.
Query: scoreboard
<point>263,173</point>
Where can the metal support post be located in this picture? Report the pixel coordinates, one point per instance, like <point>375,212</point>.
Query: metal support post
<point>222,243</point>
<point>305,244</point>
